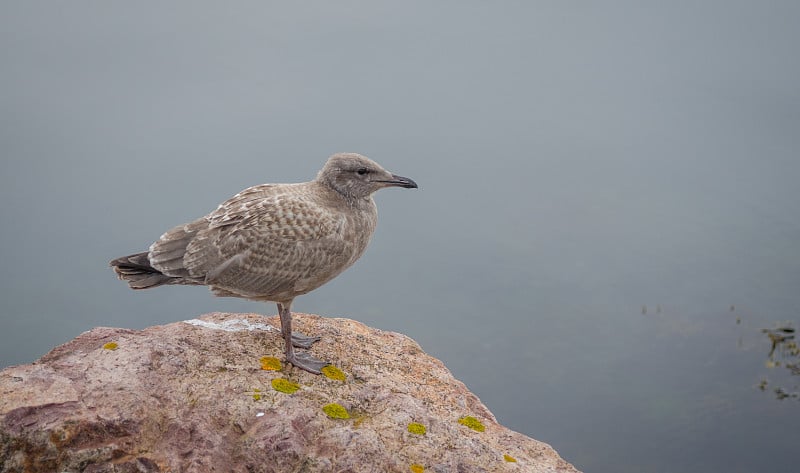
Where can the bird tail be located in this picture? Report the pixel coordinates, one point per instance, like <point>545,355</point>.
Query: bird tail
<point>139,274</point>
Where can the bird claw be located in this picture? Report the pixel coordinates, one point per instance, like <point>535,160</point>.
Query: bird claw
<point>303,341</point>
<point>307,362</point>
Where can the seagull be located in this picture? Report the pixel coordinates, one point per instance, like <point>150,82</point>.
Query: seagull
<point>273,242</point>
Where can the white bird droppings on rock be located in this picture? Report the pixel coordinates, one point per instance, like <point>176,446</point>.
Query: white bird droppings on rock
<point>234,325</point>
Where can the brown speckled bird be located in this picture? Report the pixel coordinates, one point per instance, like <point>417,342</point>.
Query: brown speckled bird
<point>273,242</point>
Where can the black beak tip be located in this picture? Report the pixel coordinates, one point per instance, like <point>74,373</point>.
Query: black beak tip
<point>411,185</point>
<point>405,182</point>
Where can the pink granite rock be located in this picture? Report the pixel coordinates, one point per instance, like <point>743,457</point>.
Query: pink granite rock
<point>192,397</point>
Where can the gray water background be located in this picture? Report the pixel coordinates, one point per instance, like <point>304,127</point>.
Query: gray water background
<point>608,213</point>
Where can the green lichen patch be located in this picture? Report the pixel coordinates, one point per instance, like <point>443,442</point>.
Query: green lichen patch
<point>472,423</point>
<point>416,428</point>
<point>333,372</point>
<point>111,346</point>
<point>256,394</point>
<point>416,468</point>
<point>284,385</point>
<point>270,363</point>
<point>335,411</point>
<point>509,458</point>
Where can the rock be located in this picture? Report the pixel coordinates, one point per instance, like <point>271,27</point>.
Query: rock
<point>192,397</point>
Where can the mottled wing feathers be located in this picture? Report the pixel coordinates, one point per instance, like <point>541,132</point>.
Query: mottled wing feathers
<point>287,211</point>
<point>167,254</point>
<point>267,241</point>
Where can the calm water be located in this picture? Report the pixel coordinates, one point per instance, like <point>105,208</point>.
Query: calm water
<point>608,217</point>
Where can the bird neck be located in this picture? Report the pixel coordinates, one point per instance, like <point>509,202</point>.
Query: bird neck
<point>353,200</point>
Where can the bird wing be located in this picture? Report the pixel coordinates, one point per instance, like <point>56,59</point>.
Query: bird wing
<point>265,241</point>
<point>284,210</point>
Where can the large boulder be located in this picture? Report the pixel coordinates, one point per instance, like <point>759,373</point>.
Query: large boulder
<point>195,396</point>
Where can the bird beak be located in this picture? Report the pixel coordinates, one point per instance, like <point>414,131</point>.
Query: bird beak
<point>400,181</point>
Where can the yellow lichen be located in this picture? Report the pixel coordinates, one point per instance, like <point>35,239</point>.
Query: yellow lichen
<point>111,346</point>
<point>284,385</point>
<point>270,363</point>
<point>333,372</point>
<point>472,423</point>
<point>509,458</point>
<point>416,428</point>
<point>256,394</point>
<point>335,411</point>
<point>416,468</point>
<point>359,420</point>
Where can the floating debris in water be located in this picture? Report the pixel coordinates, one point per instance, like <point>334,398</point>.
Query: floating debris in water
<point>781,394</point>
<point>784,353</point>
<point>780,337</point>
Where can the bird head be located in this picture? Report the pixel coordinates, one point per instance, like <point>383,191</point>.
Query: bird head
<point>357,176</point>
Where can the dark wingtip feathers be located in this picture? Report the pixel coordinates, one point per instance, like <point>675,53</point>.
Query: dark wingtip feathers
<point>137,272</point>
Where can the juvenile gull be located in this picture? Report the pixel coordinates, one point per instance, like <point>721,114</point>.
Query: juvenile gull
<point>273,242</point>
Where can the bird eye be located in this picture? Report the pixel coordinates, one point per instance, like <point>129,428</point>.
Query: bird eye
<point>362,171</point>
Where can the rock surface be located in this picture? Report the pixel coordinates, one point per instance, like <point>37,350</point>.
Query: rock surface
<point>192,397</point>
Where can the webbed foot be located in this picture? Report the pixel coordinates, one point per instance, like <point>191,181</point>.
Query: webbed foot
<point>306,362</point>
<point>303,341</point>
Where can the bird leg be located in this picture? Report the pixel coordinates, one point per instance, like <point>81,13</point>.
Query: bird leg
<point>301,360</point>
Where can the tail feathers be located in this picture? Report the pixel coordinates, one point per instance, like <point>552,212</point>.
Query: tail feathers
<point>168,252</point>
<point>139,274</point>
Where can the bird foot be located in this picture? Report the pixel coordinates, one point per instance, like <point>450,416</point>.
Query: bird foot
<point>303,341</point>
<point>306,362</point>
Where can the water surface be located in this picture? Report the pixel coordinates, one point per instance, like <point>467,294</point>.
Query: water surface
<point>607,220</point>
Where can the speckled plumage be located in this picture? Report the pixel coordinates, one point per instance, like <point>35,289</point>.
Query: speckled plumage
<point>271,242</point>
<point>268,242</point>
